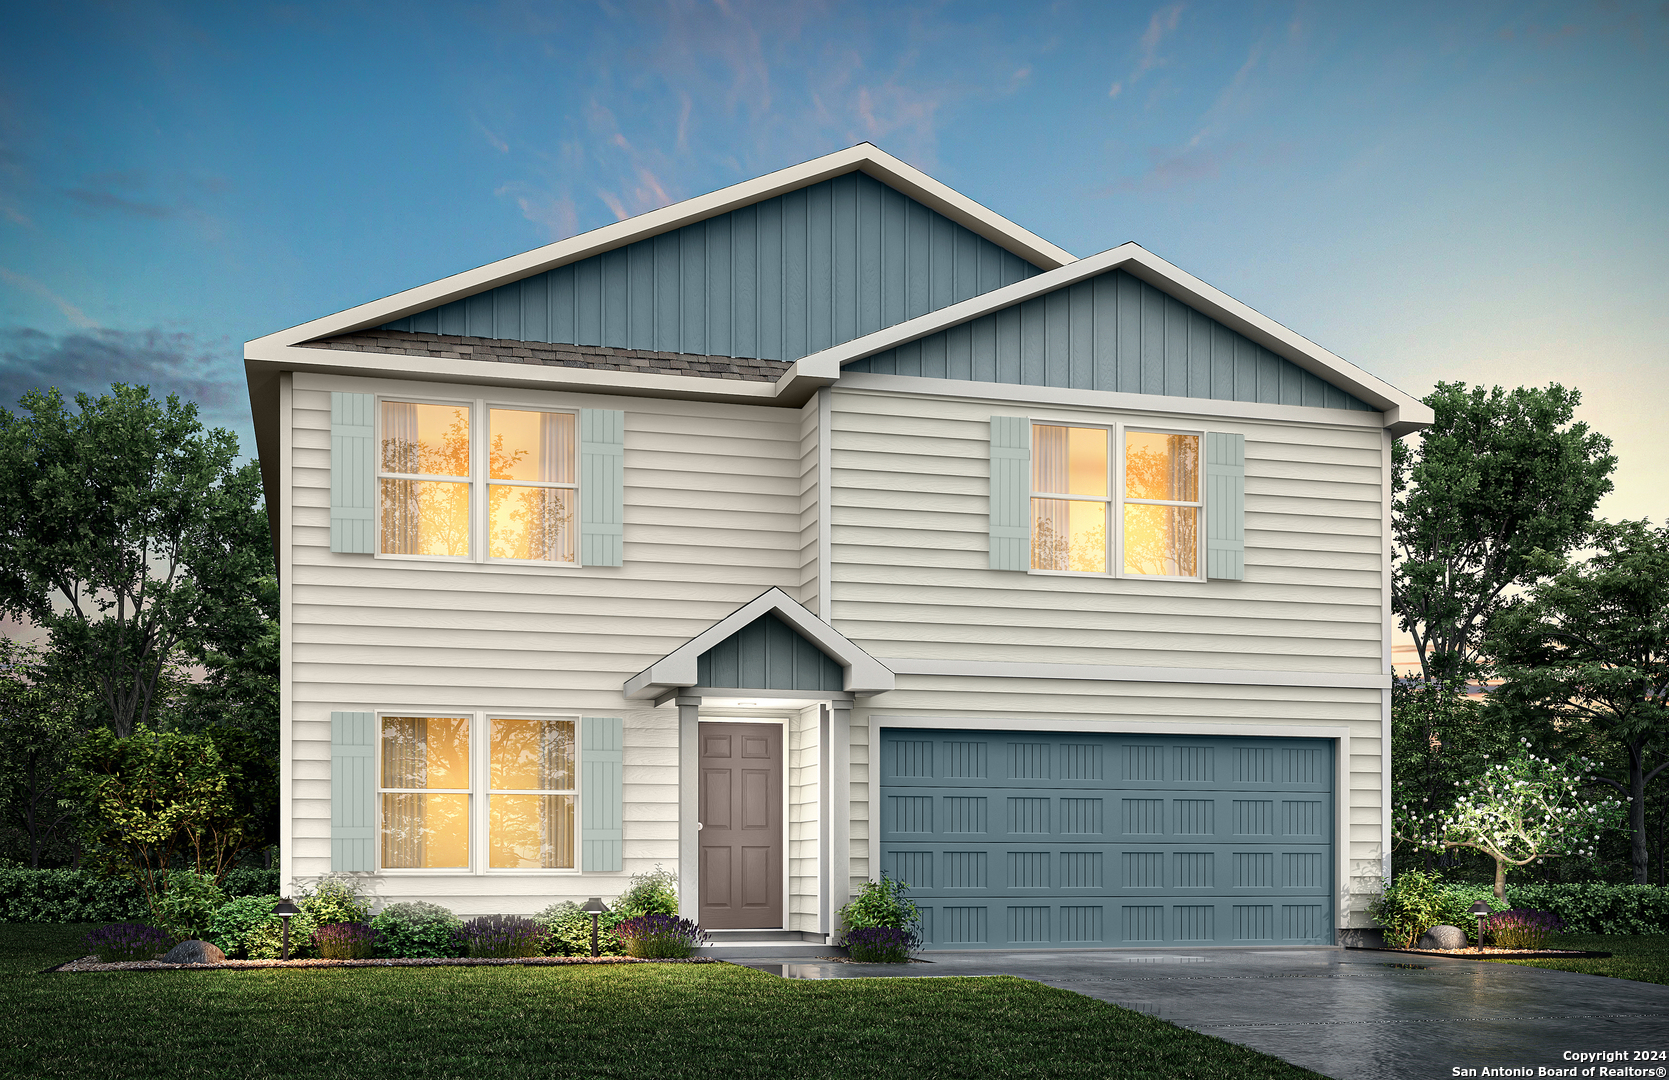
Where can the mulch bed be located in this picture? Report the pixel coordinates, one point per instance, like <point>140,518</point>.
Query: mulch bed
<point>91,963</point>
<point>1492,953</point>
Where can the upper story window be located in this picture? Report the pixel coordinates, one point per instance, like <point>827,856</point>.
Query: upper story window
<point>1095,509</point>
<point>424,479</point>
<point>531,492</point>
<point>430,468</point>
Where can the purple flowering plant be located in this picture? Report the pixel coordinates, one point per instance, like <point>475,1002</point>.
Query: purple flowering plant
<point>1523,928</point>
<point>346,941</point>
<point>128,941</point>
<point>503,936</point>
<point>881,944</point>
<point>660,937</point>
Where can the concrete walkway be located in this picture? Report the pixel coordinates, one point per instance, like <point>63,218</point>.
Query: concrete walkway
<point>1348,1014</point>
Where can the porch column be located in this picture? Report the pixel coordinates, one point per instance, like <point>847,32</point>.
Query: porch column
<point>689,806</point>
<point>838,874</point>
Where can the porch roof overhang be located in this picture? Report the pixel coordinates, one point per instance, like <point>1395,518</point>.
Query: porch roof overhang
<point>863,674</point>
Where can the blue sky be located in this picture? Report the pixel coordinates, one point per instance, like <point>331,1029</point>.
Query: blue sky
<point>1468,191</point>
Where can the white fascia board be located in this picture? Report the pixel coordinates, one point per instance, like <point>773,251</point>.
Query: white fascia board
<point>864,158</point>
<point>491,373</point>
<point>864,674</point>
<point>1399,411</point>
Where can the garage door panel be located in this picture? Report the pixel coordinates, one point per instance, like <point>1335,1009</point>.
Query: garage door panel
<point>1014,840</point>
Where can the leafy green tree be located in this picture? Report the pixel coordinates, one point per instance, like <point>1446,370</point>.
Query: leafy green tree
<point>158,801</point>
<point>40,720</point>
<point>1441,741</point>
<point>1588,647</point>
<point>1519,811</point>
<point>132,534</point>
<point>1499,475</point>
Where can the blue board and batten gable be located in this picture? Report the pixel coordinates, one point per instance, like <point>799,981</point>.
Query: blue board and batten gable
<point>777,280</point>
<point>768,654</point>
<point>1110,332</point>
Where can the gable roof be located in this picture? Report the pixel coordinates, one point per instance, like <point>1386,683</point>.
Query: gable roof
<point>1402,412</point>
<point>864,157</point>
<point>678,669</point>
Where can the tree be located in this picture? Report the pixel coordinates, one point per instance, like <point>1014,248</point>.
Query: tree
<point>132,534</point>
<point>1498,476</point>
<point>1589,648</point>
<point>1520,811</point>
<point>1441,741</point>
<point>157,801</point>
<point>40,720</point>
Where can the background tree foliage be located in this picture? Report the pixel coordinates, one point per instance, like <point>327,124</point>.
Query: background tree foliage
<point>41,719</point>
<point>131,534</point>
<point>1498,476</point>
<point>1588,650</point>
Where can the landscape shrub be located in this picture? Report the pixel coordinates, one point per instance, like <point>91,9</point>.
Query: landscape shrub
<point>1414,903</point>
<point>62,895</point>
<point>336,899</point>
<point>1522,928</point>
<point>654,892</point>
<point>128,941</point>
<point>660,937</point>
<point>503,936</point>
<point>1582,908</point>
<point>188,903</point>
<point>881,944</point>
<point>417,930</point>
<point>346,941</point>
<point>881,904</point>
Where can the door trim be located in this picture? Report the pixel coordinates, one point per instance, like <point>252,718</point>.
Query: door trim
<point>784,723</point>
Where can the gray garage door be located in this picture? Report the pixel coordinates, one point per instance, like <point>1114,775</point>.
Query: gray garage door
<point>1031,840</point>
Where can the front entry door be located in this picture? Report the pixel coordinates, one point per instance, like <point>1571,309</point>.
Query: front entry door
<point>741,826</point>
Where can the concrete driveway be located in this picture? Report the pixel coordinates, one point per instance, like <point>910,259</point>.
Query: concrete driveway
<point>1345,1013</point>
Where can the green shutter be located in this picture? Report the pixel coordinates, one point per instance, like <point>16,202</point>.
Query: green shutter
<point>1011,492</point>
<point>602,486</point>
<point>353,791</point>
<point>602,792</point>
<point>1225,505</point>
<point>353,472</point>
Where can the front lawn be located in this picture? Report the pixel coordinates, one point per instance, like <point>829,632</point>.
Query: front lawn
<point>1642,958</point>
<point>629,1021</point>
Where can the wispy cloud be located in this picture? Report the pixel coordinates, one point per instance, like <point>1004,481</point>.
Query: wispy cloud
<point>30,285</point>
<point>166,361</point>
<point>1161,23</point>
<point>492,137</point>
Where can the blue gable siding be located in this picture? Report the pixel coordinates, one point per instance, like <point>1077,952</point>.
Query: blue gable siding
<point>768,654</point>
<point>776,280</point>
<point>1111,332</point>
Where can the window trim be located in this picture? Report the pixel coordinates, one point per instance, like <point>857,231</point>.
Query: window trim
<point>478,481</point>
<point>1115,500</point>
<point>479,792</point>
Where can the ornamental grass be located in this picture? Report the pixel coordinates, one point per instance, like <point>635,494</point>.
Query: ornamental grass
<point>660,937</point>
<point>1523,928</point>
<point>503,936</point>
<point>124,941</point>
<point>346,941</point>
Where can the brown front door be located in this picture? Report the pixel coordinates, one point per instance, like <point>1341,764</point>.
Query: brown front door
<point>741,826</point>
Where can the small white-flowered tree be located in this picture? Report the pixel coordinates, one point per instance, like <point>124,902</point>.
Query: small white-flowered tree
<point>1519,811</point>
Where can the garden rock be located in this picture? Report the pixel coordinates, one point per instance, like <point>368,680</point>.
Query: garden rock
<point>194,952</point>
<point>1442,937</point>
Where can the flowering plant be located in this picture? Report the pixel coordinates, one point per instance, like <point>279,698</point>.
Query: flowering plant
<point>129,941</point>
<point>1523,928</point>
<point>1519,811</point>
<point>881,944</point>
<point>503,935</point>
<point>660,937</point>
<point>346,941</point>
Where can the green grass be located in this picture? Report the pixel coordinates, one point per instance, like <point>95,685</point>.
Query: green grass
<point>638,1021</point>
<point>1644,958</point>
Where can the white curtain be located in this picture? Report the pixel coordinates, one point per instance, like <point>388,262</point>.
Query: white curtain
<point>405,764</point>
<point>551,534</point>
<point>401,513</point>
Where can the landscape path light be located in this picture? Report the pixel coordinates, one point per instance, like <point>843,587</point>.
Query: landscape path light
<point>595,908</point>
<point>1481,910</point>
<point>286,911</point>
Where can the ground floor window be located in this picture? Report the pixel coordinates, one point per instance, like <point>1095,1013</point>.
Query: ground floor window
<point>452,786</point>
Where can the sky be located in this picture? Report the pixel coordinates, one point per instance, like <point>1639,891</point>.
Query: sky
<point>1435,191</point>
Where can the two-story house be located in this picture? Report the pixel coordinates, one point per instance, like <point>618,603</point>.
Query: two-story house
<point>830,525</point>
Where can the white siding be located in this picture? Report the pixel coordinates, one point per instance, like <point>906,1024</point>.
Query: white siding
<point>810,512</point>
<point>803,820</point>
<point>714,507</point>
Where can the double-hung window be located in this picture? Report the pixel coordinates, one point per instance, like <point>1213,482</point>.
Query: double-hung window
<point>432,461</point>
<point>437,808</point>
<point>1115,500</point>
